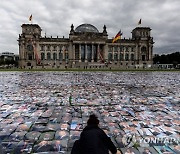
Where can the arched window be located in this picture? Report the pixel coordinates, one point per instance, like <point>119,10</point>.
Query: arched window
<point>127,57</point>
<point>48,56</point>
<point>121,57</point>
<point>66,56</point>
<point>60,56</point>
<point>127,49</point>
<point>42,56</point>
<point>110,57</point>
<point>54,56</point>
<point>132,57</point>
<point>115,57</point>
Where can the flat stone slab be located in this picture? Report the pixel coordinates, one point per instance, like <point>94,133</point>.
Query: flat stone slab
<point>45,112</point>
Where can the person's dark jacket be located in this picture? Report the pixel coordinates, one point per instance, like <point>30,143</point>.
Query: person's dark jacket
<point>93,140</point>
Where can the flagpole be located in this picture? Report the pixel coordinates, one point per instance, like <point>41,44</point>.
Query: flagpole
<point>31,20</point>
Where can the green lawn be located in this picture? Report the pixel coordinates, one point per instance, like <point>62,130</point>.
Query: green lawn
<point>92,70</point>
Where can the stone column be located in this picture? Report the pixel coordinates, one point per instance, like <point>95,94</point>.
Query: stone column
<point>34,51</point>
<point>136,53</point>
<point>79,52</point>
<point>73,57</point>
<point>124,54</point>
<point>23,51</point>
<point>113,53</point>
<point>62,55</point>
<point>85,52</point>
<point>92,55</point>
<point>103,52</point>
<point>98,53</point>
<point>20,51</point>
<point>150,53</point>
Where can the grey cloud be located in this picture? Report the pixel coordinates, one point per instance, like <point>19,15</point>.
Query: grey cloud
<point>55,18</point>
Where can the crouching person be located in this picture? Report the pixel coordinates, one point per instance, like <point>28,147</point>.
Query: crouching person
<point>93,140</point>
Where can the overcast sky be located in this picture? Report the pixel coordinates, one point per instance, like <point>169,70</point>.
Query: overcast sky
<point>56,16</point>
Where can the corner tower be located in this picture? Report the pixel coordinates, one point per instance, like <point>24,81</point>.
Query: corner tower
<point>144,45</point>
<point>29,45</point>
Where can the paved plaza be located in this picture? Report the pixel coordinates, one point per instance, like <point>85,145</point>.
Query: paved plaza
<point>47,111</point>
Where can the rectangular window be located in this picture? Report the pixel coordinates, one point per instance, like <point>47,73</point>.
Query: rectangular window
<point>115,48</point>
<point>60,48</point>
<point>30,57</point>
<point>110,57</point>
<point>143,57</point>
<point>132,49</point>
<point>48,47</point>
<point>121,48</point>
<point>66,48</point>
<point>42,47</point>
<point>110,49</point>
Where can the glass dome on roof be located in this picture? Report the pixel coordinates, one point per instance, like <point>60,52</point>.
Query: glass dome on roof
<point>86,28</point>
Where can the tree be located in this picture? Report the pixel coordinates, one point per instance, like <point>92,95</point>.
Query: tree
<point>173,58</point>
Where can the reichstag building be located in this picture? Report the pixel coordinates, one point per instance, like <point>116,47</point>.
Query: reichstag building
<point>86,47</point>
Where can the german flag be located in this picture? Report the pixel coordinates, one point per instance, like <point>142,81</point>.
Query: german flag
<point>30,18</point>
<point>117,37</point>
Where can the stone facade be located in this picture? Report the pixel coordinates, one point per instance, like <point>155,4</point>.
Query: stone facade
<point>86,47</point>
